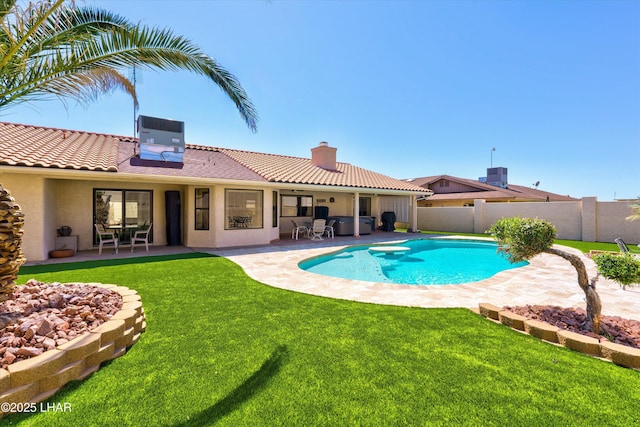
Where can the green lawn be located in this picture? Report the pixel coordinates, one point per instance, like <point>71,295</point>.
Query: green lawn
<point>221,348</point>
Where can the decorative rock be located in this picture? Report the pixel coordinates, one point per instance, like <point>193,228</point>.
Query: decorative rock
<point>11,232</point>
<point>571,334</point>
<point>8,358</point>
<point>30,333</point>
<point>49,344</point>
<point>28,351</point>
<point>44,327</point>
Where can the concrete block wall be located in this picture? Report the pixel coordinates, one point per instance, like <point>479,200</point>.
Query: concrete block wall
<point>628,357</point>
<point>587,220</point>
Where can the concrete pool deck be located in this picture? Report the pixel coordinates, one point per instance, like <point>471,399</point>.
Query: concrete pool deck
<point>548,280</point>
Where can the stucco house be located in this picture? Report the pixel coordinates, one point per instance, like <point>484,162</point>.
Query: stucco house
<point>451,191</point>
<point>213,197</point>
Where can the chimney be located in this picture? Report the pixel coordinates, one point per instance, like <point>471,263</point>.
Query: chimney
<point>324,156</point>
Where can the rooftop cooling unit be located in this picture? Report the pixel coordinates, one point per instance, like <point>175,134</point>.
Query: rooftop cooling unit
<point>161,139</point>
<point>497,177</point>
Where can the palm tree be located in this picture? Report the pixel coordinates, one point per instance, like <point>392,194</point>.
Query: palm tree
<point>635,208</point>
<point>57,49</point>
<point>52,48</point>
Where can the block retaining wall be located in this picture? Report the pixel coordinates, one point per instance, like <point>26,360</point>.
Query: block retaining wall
<point>38,378</point>
<point>621,355</point>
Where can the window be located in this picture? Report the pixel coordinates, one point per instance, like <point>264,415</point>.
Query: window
<point>365,206</point>
<point>444,183</point>
<point>243,209</point>
<point>122,211</point>
<point>297,206</point>
<point>274,209</point>
<point>202,209</point>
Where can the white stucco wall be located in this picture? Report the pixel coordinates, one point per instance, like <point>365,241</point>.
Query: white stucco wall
<point>455,219</point>
<point>587,220</point>
<point>75,207</point>
<point>565,216</point>
<point>611,223</point>
<point>49,203</point>
<point>33,195</point>
<point>55,198</point>
<point>241,236</point>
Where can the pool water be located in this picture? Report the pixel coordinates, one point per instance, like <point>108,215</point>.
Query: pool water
<point>426,262</point>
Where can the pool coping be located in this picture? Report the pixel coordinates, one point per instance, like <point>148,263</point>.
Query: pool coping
<point>547,280</point>
<point>396,246</point>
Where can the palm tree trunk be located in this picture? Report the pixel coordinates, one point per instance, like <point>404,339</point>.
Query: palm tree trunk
<point>11,256</point>
<point>594,305</point>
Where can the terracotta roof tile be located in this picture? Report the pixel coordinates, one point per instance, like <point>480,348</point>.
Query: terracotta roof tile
<point>488,191</point>
<point>299,170</point>
<point>23,145</point>
<point>198,162</point>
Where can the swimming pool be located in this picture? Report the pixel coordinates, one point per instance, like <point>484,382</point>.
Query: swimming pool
<point>415,262</point>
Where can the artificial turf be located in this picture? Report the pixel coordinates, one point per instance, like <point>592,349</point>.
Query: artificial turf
<point>223,349</point>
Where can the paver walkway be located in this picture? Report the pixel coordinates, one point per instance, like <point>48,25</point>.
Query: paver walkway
<point>548,280</point>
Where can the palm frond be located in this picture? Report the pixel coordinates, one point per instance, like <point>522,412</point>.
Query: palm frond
<point>52,49</point>
<point>635,208</point>
<point>82,86</point>
<point>5,8</point>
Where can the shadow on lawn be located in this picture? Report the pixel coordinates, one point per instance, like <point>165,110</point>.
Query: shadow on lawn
<point>252,385</point>
<point>82,265</point>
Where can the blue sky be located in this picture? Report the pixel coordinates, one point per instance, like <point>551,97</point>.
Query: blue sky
<point>405,88</point>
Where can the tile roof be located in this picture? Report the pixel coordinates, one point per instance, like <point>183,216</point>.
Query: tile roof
<point>299,170</point>
<point>487,191</point>
<point>198,162</point>
<point>23,145</point>
<point>541,194</point>
<point>34,146</point>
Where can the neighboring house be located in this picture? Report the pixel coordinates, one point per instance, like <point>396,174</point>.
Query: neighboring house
<point>451,191</point>
<point>214,197</point>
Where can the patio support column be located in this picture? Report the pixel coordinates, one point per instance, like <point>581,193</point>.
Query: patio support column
<point>413,209</point>
<point>356,214</point>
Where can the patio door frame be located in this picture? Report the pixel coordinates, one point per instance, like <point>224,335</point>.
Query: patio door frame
<point>122,222</point>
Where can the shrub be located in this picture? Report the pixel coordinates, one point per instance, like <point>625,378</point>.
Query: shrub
<point>621,268</point>
<point>523,238</point>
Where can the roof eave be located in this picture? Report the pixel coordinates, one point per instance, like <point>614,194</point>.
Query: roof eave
<point>75,174</point>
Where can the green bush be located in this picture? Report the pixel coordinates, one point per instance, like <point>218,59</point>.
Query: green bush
<point>523,238</point>
<point>621,268</point>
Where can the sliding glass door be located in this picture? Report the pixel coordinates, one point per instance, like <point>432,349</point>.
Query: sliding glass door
<point>123,211</point>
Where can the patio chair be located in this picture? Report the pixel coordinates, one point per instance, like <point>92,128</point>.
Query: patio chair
<point>105,236</point>
<point>297,229</point>
<point>328,229</point>
<point>623,247</point>
<point>141,236</point>
<point>317,230</point>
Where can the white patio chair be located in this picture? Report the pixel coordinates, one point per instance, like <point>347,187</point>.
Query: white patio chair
<point>297,229</point>
<point>328,229</point>
<point>141,236</point>
<point>105,236</point>
<point>317,230</point>
<point>624,248</point>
